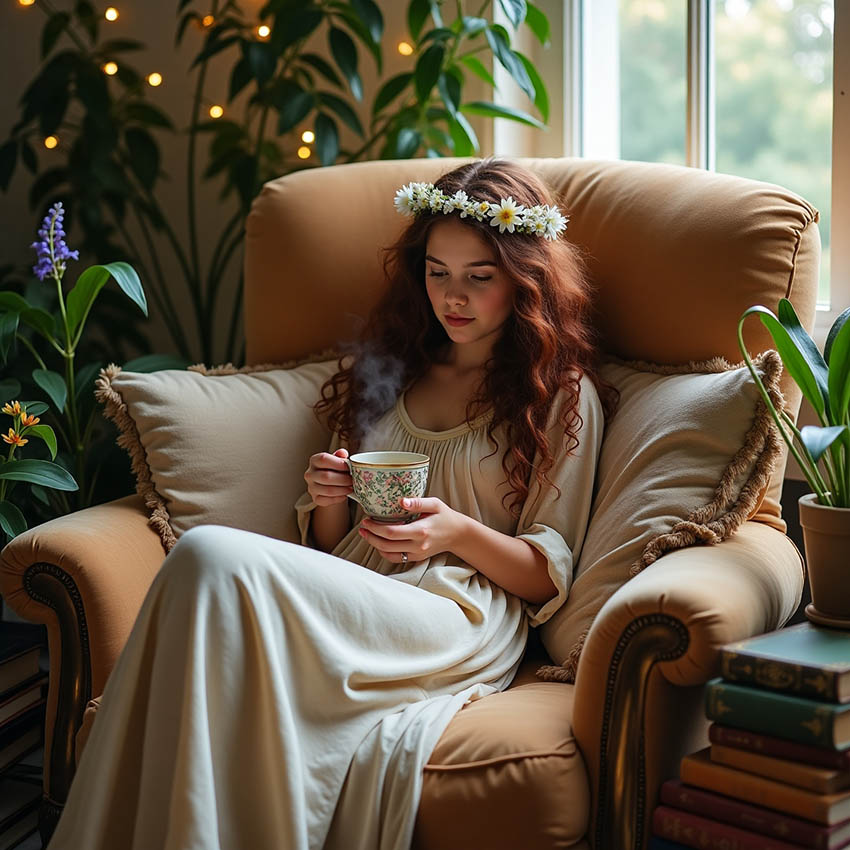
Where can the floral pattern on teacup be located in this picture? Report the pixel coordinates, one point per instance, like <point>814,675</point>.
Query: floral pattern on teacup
<point>380,491</point>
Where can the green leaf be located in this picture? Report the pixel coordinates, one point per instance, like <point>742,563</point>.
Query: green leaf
<point>8,329</point>
<point>514,11</point>
<point>508,59</point>
<point>239,77</point>
<point>371,17</point>
<point>40,494</point>
<point>538,23</point>
<point>390,90</point>
<point>13,303</point>
<point>427,71</point>
<point>837,352</point>
<point>792,357</point>
<point>291,25</point>
<point>42,472</point>
<point>11,519</point>
<point>497,110</point>
<point>44,433</point>
<point>92,280</point>
<point>343,111</point>
<point>35,408</point>
<point>345,55</point>
<point>54,27</point>
<point>293,104</point>
<point>541,97</point>
<point>439,35</point>
<point>40,321</point>
<point>144,155</point>
<point>463,136</point>
<point>477,67</point>
<point>407,142</point>
<point>817,440</point>
<point>805,345</point>
<point>54,385</point>
<point>417,14</point>
<point>449,89</point>
<point>472,26</point>
<point>155,363</point>
<point>327,139</point>
<point>120,45</point>
<point>9,388</point>
<point>323,67</point>
<point>435,11</point>
<point>262,58</point>
<point>184,22</point>
<point>147,113</point>
<point>214,45</point>
<point>8,158</point>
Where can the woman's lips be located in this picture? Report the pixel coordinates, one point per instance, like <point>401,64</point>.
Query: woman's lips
<point>457,321</point>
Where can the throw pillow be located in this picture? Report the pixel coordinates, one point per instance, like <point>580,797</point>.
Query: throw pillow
<point>224,446</point>
<point>685,459</point>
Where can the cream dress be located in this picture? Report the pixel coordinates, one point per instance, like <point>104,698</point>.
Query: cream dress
<point>274,697</point>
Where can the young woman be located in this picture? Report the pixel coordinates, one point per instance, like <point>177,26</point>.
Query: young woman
<point>288,697</point>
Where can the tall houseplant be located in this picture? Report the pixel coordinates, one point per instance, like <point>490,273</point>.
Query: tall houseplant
<point>278,86</point>
<point>822,451</point>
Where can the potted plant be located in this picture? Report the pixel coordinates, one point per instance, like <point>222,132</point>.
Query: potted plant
<point>823,452</point>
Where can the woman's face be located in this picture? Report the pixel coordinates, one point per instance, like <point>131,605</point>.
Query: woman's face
<point>471,296</point>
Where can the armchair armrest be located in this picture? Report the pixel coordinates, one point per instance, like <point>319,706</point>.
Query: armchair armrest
<point>85,576</point>
<point>652,647</point>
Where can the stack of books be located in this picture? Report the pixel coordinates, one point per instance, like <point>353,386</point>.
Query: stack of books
<point>22,700</point>
<point>777,773</point>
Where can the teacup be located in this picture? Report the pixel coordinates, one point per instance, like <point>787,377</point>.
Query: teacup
<point>382,479</point>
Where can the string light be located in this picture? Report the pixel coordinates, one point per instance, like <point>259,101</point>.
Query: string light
<point>263,31</point>
<point>216,111</point>
<point>111,14</point>
<point>207,21</point>
<point>154,79</point>
<point>26,2</point>
<point>405,48</point>
<point>110,68</point>
<point>304,152</point>
<point>308,136</point>
<point>50,142</point>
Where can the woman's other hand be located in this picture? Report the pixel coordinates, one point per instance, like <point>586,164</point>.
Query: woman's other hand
<point>437,530</point>
<point>328,479</point>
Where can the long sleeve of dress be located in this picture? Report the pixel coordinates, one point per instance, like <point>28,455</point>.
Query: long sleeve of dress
<point>555,523</point>
<point>305,505</point>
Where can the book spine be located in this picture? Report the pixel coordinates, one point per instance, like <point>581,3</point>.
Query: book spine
<point>743,739</point>
<point>695,831</point>
<point>738,813</point>
<point>759,711</point>
<point>778,675</point>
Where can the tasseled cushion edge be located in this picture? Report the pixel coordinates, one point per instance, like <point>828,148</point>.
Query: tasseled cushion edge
<point>130,440</point>
<point>718,519</point>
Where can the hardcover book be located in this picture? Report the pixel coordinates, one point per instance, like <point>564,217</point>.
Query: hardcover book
<point>806,721</point>
<point>695,831</point>
<point>743,739</point>
<point>829,809</point>
<point>20,646</point>
<point>747,816</point>
<point>803,659</point>
<point>821,780</point>
<point>19,803</point>
<point>17,700</point>
<point>21,735</point>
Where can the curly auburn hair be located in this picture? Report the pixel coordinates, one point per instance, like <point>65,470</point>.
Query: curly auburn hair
<point>546,345</point>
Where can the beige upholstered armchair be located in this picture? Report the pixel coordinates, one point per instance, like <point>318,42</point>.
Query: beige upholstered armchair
<point>675,256</point>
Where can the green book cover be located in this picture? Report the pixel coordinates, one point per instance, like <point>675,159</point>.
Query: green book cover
<point>794,718</point>
<point>803,659</point>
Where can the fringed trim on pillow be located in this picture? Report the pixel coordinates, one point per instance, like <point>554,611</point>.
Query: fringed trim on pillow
<point>724,514</point>
<point>230,369</point>
<point>760,449</point>
<point>566,672</point>
<point>129,439</point>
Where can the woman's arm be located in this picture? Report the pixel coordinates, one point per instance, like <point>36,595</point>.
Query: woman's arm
<point>510,562</point>
<point>329,483</point>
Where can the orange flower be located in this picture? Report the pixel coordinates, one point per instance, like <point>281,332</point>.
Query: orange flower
<point>27,420</point>
<point>13,409</point>
<point>14,439</point>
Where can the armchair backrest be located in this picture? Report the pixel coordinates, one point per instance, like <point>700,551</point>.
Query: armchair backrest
<point>675,256</point>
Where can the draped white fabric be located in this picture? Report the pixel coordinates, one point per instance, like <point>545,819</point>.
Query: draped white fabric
<point>273,696</point>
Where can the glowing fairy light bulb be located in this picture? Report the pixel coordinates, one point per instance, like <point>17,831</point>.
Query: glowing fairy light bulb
<point>111,14</point>
<point>308,136</point>
<point>216,111</point>
<point>405,48</point>
<point>51,142</point>
<point>304,152</point>
<point>154,79</point>
<point>110,68</point>
<point>264,31</point>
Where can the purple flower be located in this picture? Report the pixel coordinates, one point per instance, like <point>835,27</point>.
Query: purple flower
<point>50,249</point>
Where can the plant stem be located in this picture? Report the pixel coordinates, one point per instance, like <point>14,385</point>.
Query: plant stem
<point>32,350</point>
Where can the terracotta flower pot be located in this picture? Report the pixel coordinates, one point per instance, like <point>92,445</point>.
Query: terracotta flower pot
<point>826,534</point>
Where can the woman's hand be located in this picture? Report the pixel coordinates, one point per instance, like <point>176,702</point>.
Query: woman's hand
<point>437,530</point>
<point>328,479</point>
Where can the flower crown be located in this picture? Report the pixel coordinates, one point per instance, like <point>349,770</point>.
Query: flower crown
<point>539,220</point>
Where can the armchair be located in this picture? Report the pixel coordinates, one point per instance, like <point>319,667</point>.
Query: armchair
<point>675,256</point>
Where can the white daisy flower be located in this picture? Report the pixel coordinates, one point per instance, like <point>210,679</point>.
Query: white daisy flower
<point>405,202</point>
<point>437,200</point>
<point>481,209</point>
<point>555,223</point>
<point>506,215</point>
